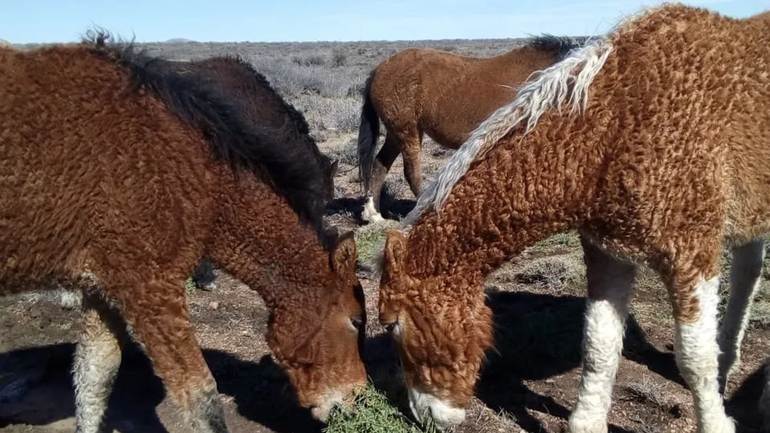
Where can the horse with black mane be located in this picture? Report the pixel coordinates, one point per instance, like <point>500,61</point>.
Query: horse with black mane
<point>441,94</point>
<point>117,176</point>
<point>260,104</point>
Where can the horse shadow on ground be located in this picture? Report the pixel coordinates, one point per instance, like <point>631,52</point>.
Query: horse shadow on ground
<point>539,336</point>
<point>743,404</point>
<point>261,391</point>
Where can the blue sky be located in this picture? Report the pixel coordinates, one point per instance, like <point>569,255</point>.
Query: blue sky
<point>312,20</point>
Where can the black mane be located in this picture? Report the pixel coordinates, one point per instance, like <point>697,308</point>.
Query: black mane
<point>291,171</point>
<point>260,86</point>
<point>297,118</point>
<point>561,45</point>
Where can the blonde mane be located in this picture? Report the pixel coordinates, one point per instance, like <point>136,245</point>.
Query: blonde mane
<point>565,81</point>
<point>550,89</point>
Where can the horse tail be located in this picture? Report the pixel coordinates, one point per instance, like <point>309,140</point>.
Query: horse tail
<point>368,133</point>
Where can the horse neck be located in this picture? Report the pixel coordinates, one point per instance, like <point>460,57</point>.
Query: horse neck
<point>260,240</point>
<point>524,191</point>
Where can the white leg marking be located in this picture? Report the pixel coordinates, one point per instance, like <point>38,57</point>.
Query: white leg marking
<point>97,359</point>
<point>696,356</point>
<point>70,299</point>
<point>606,314</point>
<point>371,213</point>
<point>745,273</point>
<point>428,408</point>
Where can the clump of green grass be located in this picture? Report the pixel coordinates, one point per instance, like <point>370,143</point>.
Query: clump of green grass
<point>189,285</point>
<point>371,412</point>
<point>371,238</point>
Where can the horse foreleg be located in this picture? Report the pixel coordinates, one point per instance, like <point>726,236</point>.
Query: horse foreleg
<point>97,360</point>
<point>610,284</point>
<point>160,320</point>
<point>204,276</point>
<point>693,289</point>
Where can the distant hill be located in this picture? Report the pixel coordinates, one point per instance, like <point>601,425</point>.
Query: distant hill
<point>179,41</point>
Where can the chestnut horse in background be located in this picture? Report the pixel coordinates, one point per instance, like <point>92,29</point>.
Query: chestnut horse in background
<point>441,94</point>
<point>117,176</point>
<point>261,105</point>
<point>654,143</point>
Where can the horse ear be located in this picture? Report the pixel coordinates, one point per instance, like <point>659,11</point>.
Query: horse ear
<point>395,251</point>
<point>343,258</point>
<point>333,167</point>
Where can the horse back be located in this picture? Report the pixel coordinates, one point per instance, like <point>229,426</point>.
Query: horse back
<point>92,173</point>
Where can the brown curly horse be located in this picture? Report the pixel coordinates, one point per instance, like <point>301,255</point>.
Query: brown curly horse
<point>668,162</point>
<point>117,176</point>
<point>263,106</point>
<point>441,94</point>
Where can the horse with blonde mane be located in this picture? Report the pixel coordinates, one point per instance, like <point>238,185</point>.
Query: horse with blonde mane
<point>441,94</point>
<point>667,161</point>
<point>117,176</point>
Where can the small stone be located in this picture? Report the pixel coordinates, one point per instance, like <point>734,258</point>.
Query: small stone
<point>214,305</point>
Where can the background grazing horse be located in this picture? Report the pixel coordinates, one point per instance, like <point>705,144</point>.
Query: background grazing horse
<point>261,105</point>
<point>118,176</point>
<point>441,94</point>
<point>669,161</point>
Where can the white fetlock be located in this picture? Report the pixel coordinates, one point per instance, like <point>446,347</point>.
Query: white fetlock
<point>370,212</point>
<point>583,422</point>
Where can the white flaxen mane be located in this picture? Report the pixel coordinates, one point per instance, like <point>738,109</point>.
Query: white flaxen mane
<point>570,77</point>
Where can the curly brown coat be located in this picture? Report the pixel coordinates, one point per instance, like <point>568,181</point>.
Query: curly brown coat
<point>668,162</point>
<point>121,176</point>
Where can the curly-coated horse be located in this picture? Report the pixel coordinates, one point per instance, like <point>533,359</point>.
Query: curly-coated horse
<point>667,161</point>
<point>117,176</point>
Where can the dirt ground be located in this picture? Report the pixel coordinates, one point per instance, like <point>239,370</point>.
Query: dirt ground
<point>530,385</point>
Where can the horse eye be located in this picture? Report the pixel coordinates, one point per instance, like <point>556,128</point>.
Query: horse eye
<point>357,321</point>
<point>390,327</point>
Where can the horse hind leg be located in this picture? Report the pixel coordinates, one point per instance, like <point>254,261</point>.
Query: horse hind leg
<point>382,163</point>
<point>97,360</point>
<point>160,320</point>
<point>412,167</point>
<point>745,273</point>
<point>610,284</point>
